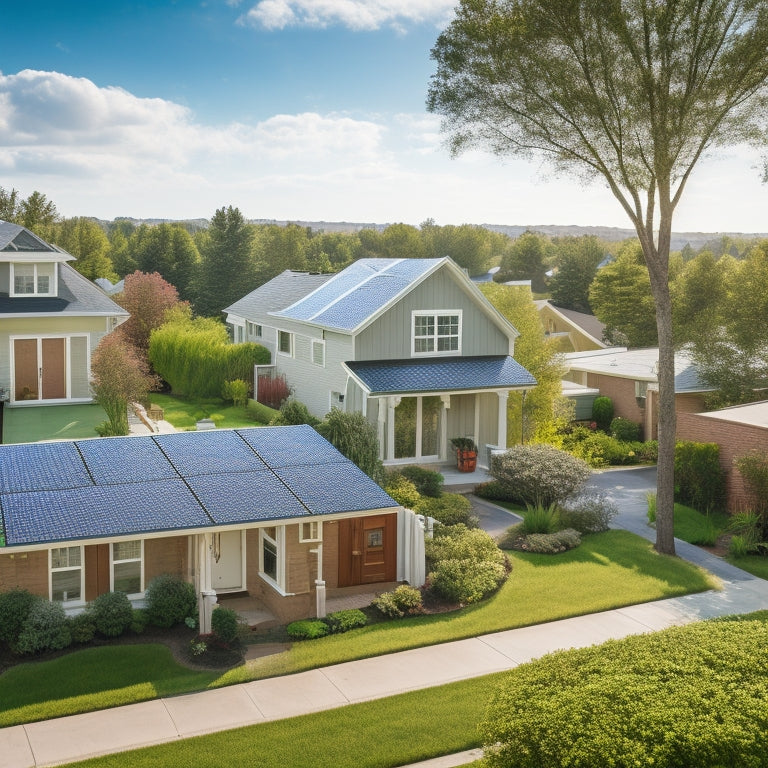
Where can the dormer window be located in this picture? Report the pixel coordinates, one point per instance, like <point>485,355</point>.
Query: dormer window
<point>33,279</point>
<point>436,333</point>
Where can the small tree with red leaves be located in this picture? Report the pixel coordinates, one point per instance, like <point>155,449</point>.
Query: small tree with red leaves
<point>120,376</point>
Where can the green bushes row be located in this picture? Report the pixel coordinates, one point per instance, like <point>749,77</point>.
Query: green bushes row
<point>333,623</point>
<point>599,449</point>
<point>699,479</point>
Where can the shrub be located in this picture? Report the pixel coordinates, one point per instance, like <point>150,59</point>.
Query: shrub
<point>699,479</point>
<point>45,629</point>
<point>624,429</point>
<point>466,565</point>
<point>15,606</point>
<point>589,512</point>
<point>753,467</point>
<point>427,481</point>
<point>82,627</point>
<point>738,546</point>
<point>112,613</point>
<point>651,499</point>
<point>356,438</point>
<point>403,491</point>
<point>648,452</point>
<point>259,413</point>
<point>307,629</point>
<point>236,391</point>
<point>537,519</point>
<point>602,412</point>
<point>539,474</point>
<point>293,412</point>
<point>225,624</point>
<point>402,601</point>
<point>343,621</point>
<point>493,490</point>
<point>139,621</point>
<point>449,509</point>
<point>747,528</point>
<point>599,449</point>
<point>169,600</point>
<point>551,543</point>
<point>272,390</point>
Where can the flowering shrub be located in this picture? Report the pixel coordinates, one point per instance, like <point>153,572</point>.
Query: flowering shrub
<point>589,512</point>
<point>550,543</point>
<point>402,601</point>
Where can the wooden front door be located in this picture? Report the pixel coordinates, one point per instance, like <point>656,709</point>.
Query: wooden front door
<point>40,367</point>
<point>367,550</point>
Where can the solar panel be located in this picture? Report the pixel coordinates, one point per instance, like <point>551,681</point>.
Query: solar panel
<point>335,488</point>
<point>125,459</point>
<point>100,511</point>
<point>218,451</point>
<point>291,446</point>
<point>41,466</point>
<point>245,497</point>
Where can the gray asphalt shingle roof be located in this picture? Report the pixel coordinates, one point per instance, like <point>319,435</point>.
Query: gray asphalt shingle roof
<point>97,488</point>
<point>15,238</point>
<point>382,377</point>
<point>282,291</point>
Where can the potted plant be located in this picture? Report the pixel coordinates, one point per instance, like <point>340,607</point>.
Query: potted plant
<point>466,453</point>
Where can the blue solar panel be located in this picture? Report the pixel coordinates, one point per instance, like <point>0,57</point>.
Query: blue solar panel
<point>245,497</point>
<point>41,466</point>
<point>212,452</point>
<point>125,459</point>
<point>328,488</point>
<point>100,511</point>
<point>291,446</point>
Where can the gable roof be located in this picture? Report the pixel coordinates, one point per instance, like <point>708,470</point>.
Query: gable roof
<point>128,486</point>
<point>78,296</point>
<point>584,322</point>
<point>20,244</point>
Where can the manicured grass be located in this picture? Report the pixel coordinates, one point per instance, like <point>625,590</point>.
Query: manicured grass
<point>30,424</point>
<point>184,413</point>
<point>394,731</point>
<point>757,565</point>
<point>608,570</point>
<point>697,527</point>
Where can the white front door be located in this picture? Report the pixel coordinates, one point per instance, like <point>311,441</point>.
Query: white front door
<point>227,573</point>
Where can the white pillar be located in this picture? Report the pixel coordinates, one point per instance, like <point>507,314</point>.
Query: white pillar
<point>206,594</point>
<point>319,583</point>
<point>392,403</point>
<point>381,423</point>
<point>501,439</point>
<point>446,402</point>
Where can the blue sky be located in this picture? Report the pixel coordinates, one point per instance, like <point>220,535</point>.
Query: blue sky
<point>287,109</point>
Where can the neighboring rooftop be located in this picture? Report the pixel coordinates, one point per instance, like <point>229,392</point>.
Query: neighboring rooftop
<point>280,292</point>
<point>16,239</point>
<point>754,414</point>
<point>587,323</point>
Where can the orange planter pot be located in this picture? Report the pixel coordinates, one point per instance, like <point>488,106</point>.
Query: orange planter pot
<point>466,461</point>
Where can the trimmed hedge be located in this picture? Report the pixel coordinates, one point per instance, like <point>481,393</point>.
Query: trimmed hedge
<point>307,629</point>
<point>699,479</point>
<point>402,601</point>
<point>170,600</point>
<point>449,509</point>
<point>225,624</point>
<point>112,613</point>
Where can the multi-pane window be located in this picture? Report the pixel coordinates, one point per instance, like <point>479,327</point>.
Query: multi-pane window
<point>67,574</point>
<point>33,279</point>
<point>126,567</point>
<point>436,333</point>
<point>254,330</point>
<point>285,343</point>
<point>318,352</point>
<point>310,531</point>
<point>270,553</point>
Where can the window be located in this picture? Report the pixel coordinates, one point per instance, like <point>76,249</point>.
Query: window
<point>318,352</point>
<point>271,560</point>
<point>127,571</point>
<point>67,574</point>
<point>311,531</point>
<point>285,343</point>
<point>254,330</point>
<point>33,279</point>
<point>436,333</point>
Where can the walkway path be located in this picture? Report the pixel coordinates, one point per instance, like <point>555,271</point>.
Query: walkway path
<point>153,722</point>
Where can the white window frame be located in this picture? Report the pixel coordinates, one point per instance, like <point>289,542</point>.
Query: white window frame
<point>279,544</point>
<point>62,569</point>
<point>291,343</point>
<point>435,315</point>
<point>238,333</point>
<point>113,562</point>
<point>52,280</point>
<point>254,330</point>
<point>311,532</point>
<point>318,344</point>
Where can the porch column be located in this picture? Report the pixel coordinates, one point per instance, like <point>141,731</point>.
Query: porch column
<point>381,417</point>
<point>392,403</point>
<point>319,583</point>
<point>446,403</point>
<point>206,594</point>
<point>501,439</point>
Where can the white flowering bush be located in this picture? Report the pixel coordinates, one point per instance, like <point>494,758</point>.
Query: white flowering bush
<point>589,512</point>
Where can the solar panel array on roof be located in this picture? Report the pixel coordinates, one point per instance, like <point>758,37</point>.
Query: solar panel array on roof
<point>358,292</point>
<point>52,492</point>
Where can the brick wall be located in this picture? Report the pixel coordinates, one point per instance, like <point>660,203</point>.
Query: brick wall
<point>27,570</point>
<point>734,439</point>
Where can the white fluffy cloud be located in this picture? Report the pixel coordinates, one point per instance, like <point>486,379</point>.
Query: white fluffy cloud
<point>355,14</point>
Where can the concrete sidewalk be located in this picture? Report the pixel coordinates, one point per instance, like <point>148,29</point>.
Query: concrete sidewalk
<point>78,737</point>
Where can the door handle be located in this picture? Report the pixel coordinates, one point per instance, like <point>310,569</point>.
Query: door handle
<point>356,553</point>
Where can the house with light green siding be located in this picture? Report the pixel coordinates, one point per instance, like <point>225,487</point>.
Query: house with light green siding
<point>51,319</point>
<point>411,343</point>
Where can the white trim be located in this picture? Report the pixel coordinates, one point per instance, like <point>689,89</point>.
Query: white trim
<point>321,344</point>
<point>279,544</point>
<point>292,338</point>
<point>317,525</point>
<point>53,285</point>
<point>80,568</point>
<point>435,314</point>
<point>113,562</point>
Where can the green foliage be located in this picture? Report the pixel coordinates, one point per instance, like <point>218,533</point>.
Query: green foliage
<point>539,474</point>
<point>589,512</point>
<point>539,519</point>
<point>45,629</point>
<point>428,482</point>
<point>464,444</point>
<point>344,621</point>
<point>493,490</point>
<point>464,565</point>
<point>600,450</point>
<point>15,606</point>
<point>625,430</point>
<point>550,543</point>
<point>261,414</point>
<point>355,437</point>
<point>403,601</point>
<point>448,509</point>
<point>139,621</point>
<point>403,491</point>
<point>196,357</point>
<point>82,627</point>
<point>293,412</point>
<point>169,600</point>
<point>527,258</point>
<point>651,499</point>
<point>235,391</point>
<point>748,533</point>
<point>225,624</point>
<point>753,467</point>
<point>577,259</point>
<point>112,613</point>
<point>602,412</point>
<point>687,696</point>
<point>307,629</point>
<point>699,479</point>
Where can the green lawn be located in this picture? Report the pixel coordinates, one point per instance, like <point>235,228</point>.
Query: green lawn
<point>184,413</point>
<point>607,571</point>
<point>698,527</point>
<point>30,424</point>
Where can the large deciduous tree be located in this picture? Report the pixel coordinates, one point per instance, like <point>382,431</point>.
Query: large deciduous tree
<point>633,92</point>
